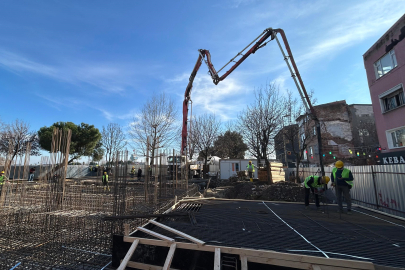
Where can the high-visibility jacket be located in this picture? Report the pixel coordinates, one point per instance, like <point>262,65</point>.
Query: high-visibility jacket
<point>345,175</point>
<point>2,179</point>
<point>251,167</point>
<point>105,178</point>
<point>315,184</point>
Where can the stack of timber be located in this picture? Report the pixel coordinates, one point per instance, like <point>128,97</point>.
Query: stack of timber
<point>277,172</point>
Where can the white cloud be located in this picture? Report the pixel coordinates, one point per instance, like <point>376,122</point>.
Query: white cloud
<point>111,77</point>
<point>225,100</point>
<point>59,103</point>
<point>68,102</point>
<point>280,81</point>
<point>316,30</point>
<point>107,114</point>
<point>17,63</point>
<point>111,116</point>
<point>349,27</point>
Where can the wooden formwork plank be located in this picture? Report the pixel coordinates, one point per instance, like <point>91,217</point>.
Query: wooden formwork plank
<point>188,237</point>
<point>169,257</point>
<point>351,264</point>
<point>127,257</point>
<point>143,266</point>
<point>155,234</point>
<point>217,259</point>
<point>243,260</point>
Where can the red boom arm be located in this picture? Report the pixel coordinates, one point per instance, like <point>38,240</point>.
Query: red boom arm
<point>269,32</point>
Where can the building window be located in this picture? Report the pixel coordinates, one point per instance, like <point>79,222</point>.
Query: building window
<point>314,131</point>
<point>392,99</point>
<point>302,139</point>
<point>396,138</point>
<point>363,132</point>
<point>305,154</point>
<point>311,152</point>
<point>385,64</point>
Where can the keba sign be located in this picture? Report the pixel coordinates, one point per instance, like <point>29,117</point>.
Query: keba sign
<point>393,158</point>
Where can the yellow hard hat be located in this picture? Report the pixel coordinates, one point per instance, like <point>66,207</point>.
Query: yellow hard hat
<point>105,172</point>
<point>250,161</point>
<point>2,171</point>
<point>339,164</point>
<point>326,179</point>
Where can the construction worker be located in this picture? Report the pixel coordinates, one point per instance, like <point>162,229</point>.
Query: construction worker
<point>2,179</point>
<point>32,173</point>
<point>133,171</point>
<point>251,169</point>
<point>311,183</point>
<point>139,173</point>
<point>342,180</point>
<point>105,181</point>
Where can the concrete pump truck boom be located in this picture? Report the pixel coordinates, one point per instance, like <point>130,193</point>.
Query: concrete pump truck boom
<point>265,37</point>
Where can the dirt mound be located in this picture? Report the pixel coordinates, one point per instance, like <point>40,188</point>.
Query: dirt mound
<point>280,191</point>
<point>214,183</point>
<point>240,191</point>
<point>283,191</point>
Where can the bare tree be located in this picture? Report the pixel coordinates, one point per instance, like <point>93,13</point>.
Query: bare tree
<point>231,126</point>
<point>298,134</point>
<point>206,129</point>
<point>192,141</point>
<point>261,121</point>
<point>157,121</point>
<point>191,148</point>
<point>19,134</point>
<point>112,140</point>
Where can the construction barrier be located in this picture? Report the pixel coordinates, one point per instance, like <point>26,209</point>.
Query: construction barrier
<point>380,187</point>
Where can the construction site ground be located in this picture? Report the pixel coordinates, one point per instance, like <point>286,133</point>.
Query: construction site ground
<point>280,191</point>
<point>364,236</point>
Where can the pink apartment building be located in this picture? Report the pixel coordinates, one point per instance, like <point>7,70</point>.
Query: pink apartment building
<point>385,67</point>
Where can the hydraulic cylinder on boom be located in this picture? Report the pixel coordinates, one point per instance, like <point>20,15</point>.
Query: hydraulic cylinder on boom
<point>265,37</point>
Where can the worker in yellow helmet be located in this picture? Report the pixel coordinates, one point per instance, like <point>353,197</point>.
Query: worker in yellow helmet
<point>251,170</point>
<point>342,180</point>
<point>314,183</point>
<point>133,172</point>
<point>105,181</point>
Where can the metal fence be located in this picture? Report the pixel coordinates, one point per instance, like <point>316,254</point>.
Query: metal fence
<point>379,187</point>
<point>73,171</point>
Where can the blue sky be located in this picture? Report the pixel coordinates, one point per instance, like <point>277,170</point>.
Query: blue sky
<point>98,61</point>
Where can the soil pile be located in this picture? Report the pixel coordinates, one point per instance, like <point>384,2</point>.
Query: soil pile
<point>283,191</point>
<point>280,191</point>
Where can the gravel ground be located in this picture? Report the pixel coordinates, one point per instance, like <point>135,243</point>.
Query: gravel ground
<point>234,189</point>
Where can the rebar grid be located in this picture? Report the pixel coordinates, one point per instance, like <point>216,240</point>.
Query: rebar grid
<point>45,226</point>
<point>252,225</point>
